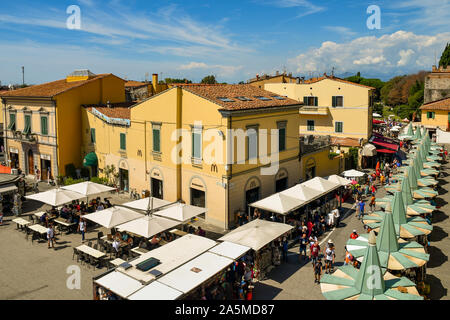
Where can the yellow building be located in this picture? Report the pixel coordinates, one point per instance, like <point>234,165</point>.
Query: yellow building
<point>260,81</point>
<point>332,106</point>
<point>138,91</point>
<point>43,122</point>
<point>436,114</point>
<point>207,145</point>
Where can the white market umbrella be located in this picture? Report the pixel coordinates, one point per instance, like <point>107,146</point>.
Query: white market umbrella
<point>88,188</point>
<point>278,203</point>
<point>257,233</point>
<point>112,217</point>
<point>56,197</point>
<point>377,115</point>
<point>337,179</point>
<point>321,184</point>
<point>353,173</point>
<point>148,226</point>
<point>181,212</point>
<point>143,204</point>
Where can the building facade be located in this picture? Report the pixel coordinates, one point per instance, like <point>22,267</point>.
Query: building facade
<point>331,106</point>
<point>436,114</point>
<point>260,81</point>
<point>42,123</point>
<point>186,144</point>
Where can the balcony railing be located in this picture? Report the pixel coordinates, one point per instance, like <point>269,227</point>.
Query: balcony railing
<point>25,137</point>
<point>314,110</point>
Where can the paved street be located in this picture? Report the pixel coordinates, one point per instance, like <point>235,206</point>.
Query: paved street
<point>31,271</point>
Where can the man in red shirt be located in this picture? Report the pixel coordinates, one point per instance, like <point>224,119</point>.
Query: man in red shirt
<point>314,251</point>
<point>354,235</point>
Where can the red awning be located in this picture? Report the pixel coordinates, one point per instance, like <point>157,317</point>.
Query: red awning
<point>375,121</point>
<point>385,151</point>
<point>385,144</point>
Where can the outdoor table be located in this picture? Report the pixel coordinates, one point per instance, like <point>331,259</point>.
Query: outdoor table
<point>37,229</point>
<point>21,223</point>
<point>39,214</point>
<point>116,262</point>
<point>139,251</point>
<point>105,239</point>
<point>178,233</point>
<point>98,255</point>
<point>63,225</point>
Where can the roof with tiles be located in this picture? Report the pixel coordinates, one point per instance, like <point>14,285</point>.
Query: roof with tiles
<point>51,89</point>
<point>443,104</point>
<point>134,84</point>
<point>345,142</point>
<point>116,110</point>
<point>230,93</point>
<point>314,80</point>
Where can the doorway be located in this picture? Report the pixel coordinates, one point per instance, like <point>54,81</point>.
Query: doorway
<point>281,184</point>
<point>14,160</point>
<point>157,188</point>
<point>123,179</point>
<point>251,196</point>
<point>30,162</point>
<point>45,167</point>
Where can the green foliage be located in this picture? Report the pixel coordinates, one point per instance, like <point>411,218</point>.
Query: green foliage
<point>99,180</point>
<point>173,80</point>
<point>353,152</point>
<point>378,108</point>
<point>71,170</point>
<point>209,80</point>
<point>376,83</point>
<point>332,155</point>
<point>68,181</point>
<point>445,58</point>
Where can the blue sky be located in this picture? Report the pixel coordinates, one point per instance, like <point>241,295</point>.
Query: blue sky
<point>234,40</point>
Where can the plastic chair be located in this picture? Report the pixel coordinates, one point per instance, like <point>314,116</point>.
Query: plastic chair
<point>90,244</point>
<point>95,246</point>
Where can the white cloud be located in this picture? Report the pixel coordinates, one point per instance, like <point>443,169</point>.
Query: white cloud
<point>307,7</point>
<point>397,53</point>
<point>194,65</point>
<point>428,13</point>
<point>221,70</point>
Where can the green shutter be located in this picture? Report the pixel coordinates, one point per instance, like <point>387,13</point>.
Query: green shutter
<point>27,127</point>
<point>196,145</point>
<point>123,141</point>
<point>156,140</point>
<point>333,101</point>
<point>92,135</point>
<point>305,101</point>
<point>434,114</point>
<point>316,101</point>
<point>44,125</point>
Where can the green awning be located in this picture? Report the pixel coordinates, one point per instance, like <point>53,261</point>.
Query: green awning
<point>90,160</point>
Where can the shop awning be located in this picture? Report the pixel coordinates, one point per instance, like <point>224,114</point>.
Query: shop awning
<point>369,150</point>
<point>384,144</point>
<point>90,160</point>
<point>8,188</point>
<point>385,151</point>
<point>375,121</point>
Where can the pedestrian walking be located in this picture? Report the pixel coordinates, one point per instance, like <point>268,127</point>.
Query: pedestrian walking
<point>372,203</point>
<point>314,252</point>
<point>82,228</point>
<point>356,206</point>
<point>337,216</point>
<point>51,236</point>
<point>317,270</point>
<point>329,254</point>
<point>303,244</point>
<point>285,249</point>
<point>1,218</point>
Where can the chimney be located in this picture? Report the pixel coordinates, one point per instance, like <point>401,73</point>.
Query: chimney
<point>155,79</point>
<point>277,73</point>
<point>108,104</point>
<point>186,81</point>
<point>290,74</point>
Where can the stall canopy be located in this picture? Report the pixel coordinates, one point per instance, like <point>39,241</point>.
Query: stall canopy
<point>321,184</point>
<point>353,173</point>
<point>375,121</point>
<point>56,197</point>
<point>377,115</point>
<point>119,283</point>
<point>90,160</point>
<point>143,204</point>
<point>8,188</point>
<point>369,150</point>
<point>257,233</point>
<point>88,188</point>
<point>278,203</point>
<point>192,274</point>
<point>112,217</point>
<point>230,250</point>
<point>156,291</point>
<point>337,179</point>
<point>384,144</point>
<point>303,193</point>
<point>148,226</point>
<point>171,256</point>
<point>181,212</point>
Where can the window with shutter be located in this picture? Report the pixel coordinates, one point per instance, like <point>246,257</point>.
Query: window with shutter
<point>27,126</point>
<point>252,142</point>
<point>310,125</point>
<point>197,143</point>
<point>339,126</point>
<point>92,135</point>
<point>333,101</point>
<point>156,140</point>
<point>123,141</point>
<point>12,122</point>
<point>44,126</point>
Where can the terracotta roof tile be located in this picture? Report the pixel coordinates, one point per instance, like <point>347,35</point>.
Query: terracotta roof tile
<point>314,80</point>
<point>117,110</point>
<point>443,104</point>
<point>345,142</point>
<point>50,89</point>
<point>231,91</point>
<point>132,83</point>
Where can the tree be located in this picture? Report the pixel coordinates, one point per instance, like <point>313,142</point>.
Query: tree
<point>209,80</point>
<point>174,80</point>
<point>445,58</point>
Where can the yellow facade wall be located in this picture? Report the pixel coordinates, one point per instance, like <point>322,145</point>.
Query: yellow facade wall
<point>324,165</point>
<point>441,119</point>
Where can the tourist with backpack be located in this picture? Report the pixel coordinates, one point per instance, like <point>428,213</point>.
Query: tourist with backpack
<point>317,270</point>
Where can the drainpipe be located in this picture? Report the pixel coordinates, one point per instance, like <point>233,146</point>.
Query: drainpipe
<point>5,128</point>
<point>179,126</point>
<point>55,174</point>
<point>229,164</point>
